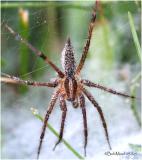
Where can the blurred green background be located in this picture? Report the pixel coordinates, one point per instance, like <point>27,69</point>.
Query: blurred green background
<point>50,23</point>
<point>113,56</point>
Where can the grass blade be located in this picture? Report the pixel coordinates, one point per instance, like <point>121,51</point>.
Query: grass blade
<point>136,147</point>
<point>35,113</point>
<point>135,37</point>
<point>133,101</point>
<point>138,77</point>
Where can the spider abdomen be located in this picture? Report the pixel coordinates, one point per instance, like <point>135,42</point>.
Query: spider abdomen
<point>68,61</point>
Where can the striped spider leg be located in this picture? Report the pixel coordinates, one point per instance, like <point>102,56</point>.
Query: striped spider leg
<point>95,85</point>
<point>36,51</point>
<point>16,80</point>
<point>50,108</point>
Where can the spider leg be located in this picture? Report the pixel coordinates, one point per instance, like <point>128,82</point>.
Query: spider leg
<point>36,51</point>
<point>90,97</point>
<point>16,80</point>
<point>82,105</point>
<point>87,45</point>
<point>51,106</point>
<point>64,111</point>
<point>91,84</point>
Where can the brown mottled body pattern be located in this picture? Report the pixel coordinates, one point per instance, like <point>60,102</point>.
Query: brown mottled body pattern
<point>67,60</point>
<point>68,85</point>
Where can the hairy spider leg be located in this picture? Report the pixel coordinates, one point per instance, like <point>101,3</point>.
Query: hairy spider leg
<point>16,80</point>
<point>36,51</point>
<point>82,105</point>
<point>51,106</point>
<point>64,112</point>
<point>91,84</point>
<point>90,97</point>
<point>87,45</point>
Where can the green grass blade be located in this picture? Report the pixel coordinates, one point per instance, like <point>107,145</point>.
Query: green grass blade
<point>35,113</point>
<point>135,37</point>
<point>136,147</point>
<point>133,89</point>
<point>138,77</point>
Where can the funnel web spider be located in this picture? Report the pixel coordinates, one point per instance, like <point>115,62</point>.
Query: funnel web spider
<point>68,85</point>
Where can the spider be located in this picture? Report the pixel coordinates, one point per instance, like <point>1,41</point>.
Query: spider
<point>68,85</point>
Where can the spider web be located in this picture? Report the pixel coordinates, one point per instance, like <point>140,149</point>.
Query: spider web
<point>49,26</point>
<point>47,30</point>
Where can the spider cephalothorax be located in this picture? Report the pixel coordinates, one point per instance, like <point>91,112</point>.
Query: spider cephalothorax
<point>69,86</point>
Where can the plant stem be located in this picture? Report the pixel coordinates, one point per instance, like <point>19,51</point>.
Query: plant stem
<point>43,4</point>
